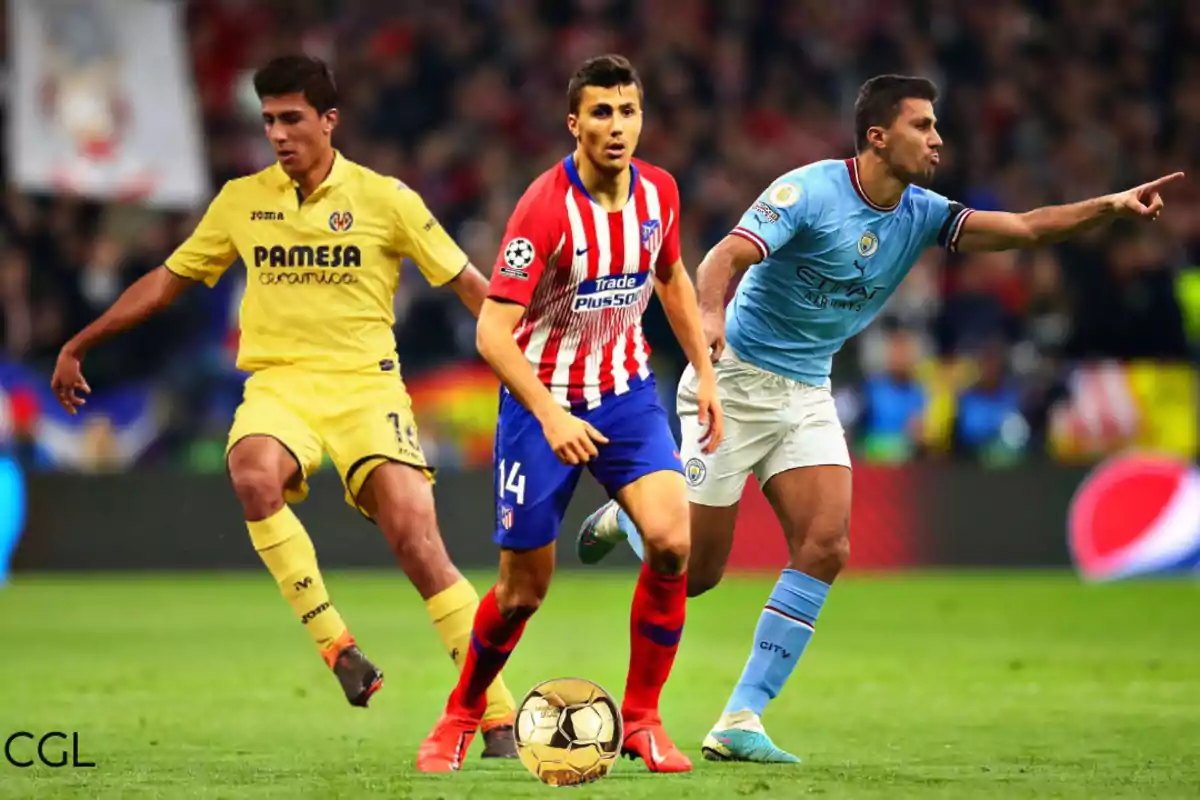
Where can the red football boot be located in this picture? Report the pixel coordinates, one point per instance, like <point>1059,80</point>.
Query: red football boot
<point>446,745</point>
<point>647,739</point>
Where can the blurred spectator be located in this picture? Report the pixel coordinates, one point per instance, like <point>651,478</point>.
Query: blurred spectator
<point>893,403</point>
<point>1130,310</point>
<point>16,318</point>
<point>1046,326</point>
<point>1038,360</point>
<point>984,293</point>
<point>988,424</point>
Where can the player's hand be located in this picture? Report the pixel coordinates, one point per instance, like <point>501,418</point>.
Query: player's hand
<point>714,333</point>
<point>1143,201</point>
<point>572,439</point>
<point>711,417</point>
<point>67,382</point>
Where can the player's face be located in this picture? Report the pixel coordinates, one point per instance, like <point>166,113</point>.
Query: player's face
<point>299,135</point>
<point>607,125</point>
<point>911,144</point>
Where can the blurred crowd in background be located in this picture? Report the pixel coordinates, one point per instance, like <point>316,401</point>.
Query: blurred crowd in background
<point>1059,352</point>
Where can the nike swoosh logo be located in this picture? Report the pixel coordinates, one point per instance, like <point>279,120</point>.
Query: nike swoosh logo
<point>456,762</point>
<point>579,252</point>
<point>654,754</point>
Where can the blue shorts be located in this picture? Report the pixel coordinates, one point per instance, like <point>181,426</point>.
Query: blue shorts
<point>533,488</point>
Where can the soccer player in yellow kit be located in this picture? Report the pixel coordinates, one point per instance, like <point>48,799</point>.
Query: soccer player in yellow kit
<point>322,240</point>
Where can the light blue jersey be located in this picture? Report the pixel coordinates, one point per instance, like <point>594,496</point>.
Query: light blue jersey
<point>830,259</point>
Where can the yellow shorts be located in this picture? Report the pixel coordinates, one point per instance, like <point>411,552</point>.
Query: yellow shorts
<point>361,420</point>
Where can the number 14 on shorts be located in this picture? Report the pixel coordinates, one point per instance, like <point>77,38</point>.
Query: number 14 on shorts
<point>512,482</point>
<point>406,435</point>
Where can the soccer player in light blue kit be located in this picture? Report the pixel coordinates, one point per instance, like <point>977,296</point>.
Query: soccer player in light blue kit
<point>825,246</point>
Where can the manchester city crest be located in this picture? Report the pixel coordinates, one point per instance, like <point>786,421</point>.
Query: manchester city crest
<point>868,243</point>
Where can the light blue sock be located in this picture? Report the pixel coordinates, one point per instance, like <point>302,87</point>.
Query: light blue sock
<point>631,531</point>
<point>783,631</point>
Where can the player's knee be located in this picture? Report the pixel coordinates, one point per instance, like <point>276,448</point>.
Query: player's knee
<point>401,502</point>
<point>669,554</point>
<point>666,535</point>
<point>410,520</point>
<point>825,549</point>
<point>667,550</point>
<point>835,552</point>
<point>521,608</point>
<point>258,489</point>
<point>416,542</point>
<point>521,599</point>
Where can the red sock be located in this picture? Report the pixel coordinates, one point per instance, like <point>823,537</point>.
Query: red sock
<point>656,625</point>
<point>493,638</point>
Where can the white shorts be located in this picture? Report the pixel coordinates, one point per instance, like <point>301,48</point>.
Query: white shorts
<point>772,424</point>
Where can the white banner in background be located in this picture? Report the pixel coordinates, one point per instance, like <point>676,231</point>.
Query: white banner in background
<point>102,102</point>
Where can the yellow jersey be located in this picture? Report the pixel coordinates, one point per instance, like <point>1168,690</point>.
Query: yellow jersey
<point>322,271</point>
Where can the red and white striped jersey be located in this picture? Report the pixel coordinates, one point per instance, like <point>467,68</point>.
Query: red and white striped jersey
<point>584,277</point>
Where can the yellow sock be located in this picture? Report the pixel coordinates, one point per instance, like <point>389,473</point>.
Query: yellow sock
<point>285,548</point>
<point>453,613</point>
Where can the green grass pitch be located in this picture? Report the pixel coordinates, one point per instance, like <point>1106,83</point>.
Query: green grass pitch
<point>929,685</point>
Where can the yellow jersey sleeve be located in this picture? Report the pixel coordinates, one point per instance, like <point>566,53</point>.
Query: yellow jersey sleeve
<point>422,238</point>
<point>209,251</point>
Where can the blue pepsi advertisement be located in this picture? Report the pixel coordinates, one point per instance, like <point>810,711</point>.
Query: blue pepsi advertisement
<point>1137,515</point>
<point>12,511</point>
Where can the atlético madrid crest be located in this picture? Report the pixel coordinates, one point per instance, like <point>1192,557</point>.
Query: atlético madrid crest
<point>652,235</point>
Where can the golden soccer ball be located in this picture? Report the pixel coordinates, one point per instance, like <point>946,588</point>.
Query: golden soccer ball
<point>569,731</point>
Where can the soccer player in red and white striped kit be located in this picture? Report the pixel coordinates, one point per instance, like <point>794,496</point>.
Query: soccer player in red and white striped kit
<point>562,327</point>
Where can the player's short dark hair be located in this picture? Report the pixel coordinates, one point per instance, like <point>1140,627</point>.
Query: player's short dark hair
<point>298,74</point>
<point>879,100</point>
<point>604,71</point>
